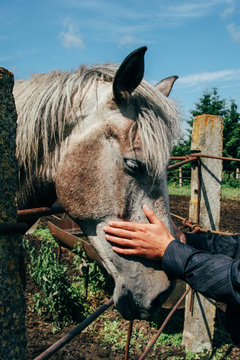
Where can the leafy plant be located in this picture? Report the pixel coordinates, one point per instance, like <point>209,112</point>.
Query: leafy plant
<point>57,298</point>
<point>99,281</point>
<point>61,297</point>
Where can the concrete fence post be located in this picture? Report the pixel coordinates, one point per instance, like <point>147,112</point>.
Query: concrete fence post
<point>12,303</point>
<point>205,186</point>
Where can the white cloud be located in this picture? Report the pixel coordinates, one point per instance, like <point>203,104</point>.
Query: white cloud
<point>229,10</point>
<point>128,39</point>
<point>234,30</point>
<point>209,77</point>
<point>5,58</point>
<point>71,37</point>
<point>193,9</point>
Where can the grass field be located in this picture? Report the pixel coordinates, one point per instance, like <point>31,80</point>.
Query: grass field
<point>227,192</point>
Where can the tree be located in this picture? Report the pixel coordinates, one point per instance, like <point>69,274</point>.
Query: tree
<point>211,103</point>
<point>231,135</point>
<point>12,302</point>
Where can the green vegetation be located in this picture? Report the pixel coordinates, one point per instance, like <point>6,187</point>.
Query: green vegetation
<point>60,296</point>
<point>211,103</point>
<point>226,192</point>
<point>168,346</point>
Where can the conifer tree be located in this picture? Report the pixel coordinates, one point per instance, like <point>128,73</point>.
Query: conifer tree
<point>211,103</point>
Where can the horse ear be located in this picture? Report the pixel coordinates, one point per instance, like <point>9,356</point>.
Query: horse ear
<point>129,74</point>
<point>165,85</point>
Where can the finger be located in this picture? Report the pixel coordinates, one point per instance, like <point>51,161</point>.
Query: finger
<point>119,241</point>
<point>124,251</point>
<point>124,225</point>
<point>150,214</point>
<point>119,232</point>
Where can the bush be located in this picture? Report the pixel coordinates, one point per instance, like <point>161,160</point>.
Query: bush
<point>61,297</point>
<point>57,297</point>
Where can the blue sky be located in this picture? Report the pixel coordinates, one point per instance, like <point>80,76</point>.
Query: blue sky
<point>197,40</point>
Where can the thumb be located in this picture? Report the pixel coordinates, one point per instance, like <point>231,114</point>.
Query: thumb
<point>150,214</point>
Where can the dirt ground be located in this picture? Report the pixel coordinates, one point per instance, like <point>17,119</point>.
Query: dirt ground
<point>87,346</point>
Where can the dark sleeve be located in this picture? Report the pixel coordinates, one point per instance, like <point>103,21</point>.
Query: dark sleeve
<point>215,244</point>
<point>216,276</point>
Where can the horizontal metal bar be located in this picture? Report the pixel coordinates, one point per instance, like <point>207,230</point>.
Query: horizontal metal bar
<point>164,324</point>
<point>72,333</point>
<point>217,157</point>
<point>182,162</point>
<point>28,214</point>
<point>195,227</point>
<point>205,156</point>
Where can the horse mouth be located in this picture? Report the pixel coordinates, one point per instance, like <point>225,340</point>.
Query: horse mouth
<point>140,305</point>
<point>127,307</point>
<point>130,309</point>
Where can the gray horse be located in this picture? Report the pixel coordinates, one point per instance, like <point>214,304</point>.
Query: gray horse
<point>100,138</point>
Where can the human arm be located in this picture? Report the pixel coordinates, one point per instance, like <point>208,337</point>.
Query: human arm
<point>215,244</point>
<point>216,276</point>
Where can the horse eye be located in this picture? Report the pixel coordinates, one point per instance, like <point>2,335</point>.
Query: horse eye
<point>134,167</point>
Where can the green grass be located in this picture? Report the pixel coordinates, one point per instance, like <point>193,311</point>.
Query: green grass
<point>226,192</point>
<point>230,193</point>
<point>114,329</point>
<point>176,190</point>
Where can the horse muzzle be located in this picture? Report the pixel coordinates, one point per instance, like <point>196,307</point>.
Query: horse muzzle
<point>140,303</point>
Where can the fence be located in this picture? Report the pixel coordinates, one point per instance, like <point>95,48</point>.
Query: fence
<point>182,177</point>
<point>206,178</point>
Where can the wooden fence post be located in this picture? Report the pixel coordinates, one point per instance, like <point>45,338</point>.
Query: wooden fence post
<point>180,176</point>
<point>206,139</point>
<point>12,303</point>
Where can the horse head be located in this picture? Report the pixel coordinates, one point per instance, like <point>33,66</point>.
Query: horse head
<point>114,165</point>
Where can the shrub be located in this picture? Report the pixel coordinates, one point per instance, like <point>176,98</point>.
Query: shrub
<point>57,298</point>
<point>61,297</point>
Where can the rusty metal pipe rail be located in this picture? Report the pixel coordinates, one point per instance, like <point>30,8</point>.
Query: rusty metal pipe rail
<point>196,155</point>
<point>74,332</point>
<point>217,157</point>
<point>196,227</point>
<point>144,354</point>
<point>187,160</point>
<point>29,214</point>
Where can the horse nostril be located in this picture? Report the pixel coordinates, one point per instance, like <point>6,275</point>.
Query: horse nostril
<point>126,308</point>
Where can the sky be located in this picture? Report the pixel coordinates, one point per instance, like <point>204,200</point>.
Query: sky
<point>198,40</point>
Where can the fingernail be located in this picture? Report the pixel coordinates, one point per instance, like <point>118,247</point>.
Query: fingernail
<point>145,207</point>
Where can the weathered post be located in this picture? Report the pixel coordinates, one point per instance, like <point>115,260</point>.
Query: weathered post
<point>180,176</point>
<point>12,303</point>
<point>204,209</point>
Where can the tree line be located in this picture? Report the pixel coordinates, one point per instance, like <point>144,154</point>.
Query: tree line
<point>211,103</point>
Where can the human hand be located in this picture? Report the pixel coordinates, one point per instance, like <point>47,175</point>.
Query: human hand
<point>149,241</point>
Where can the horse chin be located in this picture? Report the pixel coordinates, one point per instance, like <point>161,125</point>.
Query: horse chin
<point>132,306</point>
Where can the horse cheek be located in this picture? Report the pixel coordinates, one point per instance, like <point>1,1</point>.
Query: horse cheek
<point>87,187</point>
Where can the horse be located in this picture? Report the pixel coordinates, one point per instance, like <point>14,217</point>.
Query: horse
<point>98,139</point>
